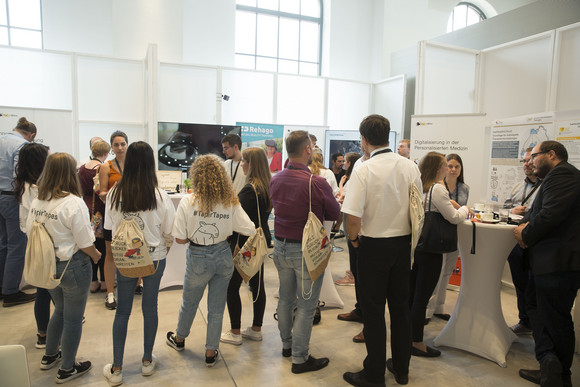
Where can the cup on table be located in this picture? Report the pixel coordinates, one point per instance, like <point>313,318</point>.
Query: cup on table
<point>478,207</point>
<point>487,216</point>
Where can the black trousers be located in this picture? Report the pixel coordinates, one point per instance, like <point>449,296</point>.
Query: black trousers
<point>99,266</point>
<point>424,278</point>
<point>353,261</point>
<point>521,275</point>
<point>555,293</point>
<point>384,271</point>
<point>235,303</point>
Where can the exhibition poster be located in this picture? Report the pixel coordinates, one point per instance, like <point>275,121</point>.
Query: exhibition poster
<point>509,140</point>
<point>269,137</point>
<point>567,131</point>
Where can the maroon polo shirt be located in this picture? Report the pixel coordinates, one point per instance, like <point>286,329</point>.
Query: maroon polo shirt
<point>289,193</point>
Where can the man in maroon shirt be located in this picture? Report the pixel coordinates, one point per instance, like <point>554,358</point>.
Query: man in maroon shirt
<point>290,198</point>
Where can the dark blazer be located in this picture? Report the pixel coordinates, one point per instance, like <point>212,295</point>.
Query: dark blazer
<point>247,197</point>
<point>553,234</point>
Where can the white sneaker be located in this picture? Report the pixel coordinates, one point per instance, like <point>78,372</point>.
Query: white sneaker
<point>115,378</point>
<point>231,338</point>
<point>251,334</point>
<point>148,367</point>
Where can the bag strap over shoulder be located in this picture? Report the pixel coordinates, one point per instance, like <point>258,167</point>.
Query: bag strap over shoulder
<point>258,207</point>
<point>310,194</point>
<point>430,196</point>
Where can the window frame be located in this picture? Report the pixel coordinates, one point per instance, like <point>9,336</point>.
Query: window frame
<point>9,27</point>
<point>279,14</point>
<point>469,5</point>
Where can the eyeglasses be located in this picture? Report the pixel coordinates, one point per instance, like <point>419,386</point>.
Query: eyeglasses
<point>525,161</point>
<point>533,155</point>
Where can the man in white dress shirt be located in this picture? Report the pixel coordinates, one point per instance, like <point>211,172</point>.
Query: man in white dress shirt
<point>379,226</point>
<point>232,149</point>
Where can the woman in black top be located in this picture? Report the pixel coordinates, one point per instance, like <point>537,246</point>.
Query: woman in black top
<point>255,167</point>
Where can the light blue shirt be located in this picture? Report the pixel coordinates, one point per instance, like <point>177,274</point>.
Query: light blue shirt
<point>10,145</point>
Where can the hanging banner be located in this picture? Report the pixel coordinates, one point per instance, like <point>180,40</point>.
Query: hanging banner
<point>269,137</point>
<point>510,138</point>
<point>463,134</point>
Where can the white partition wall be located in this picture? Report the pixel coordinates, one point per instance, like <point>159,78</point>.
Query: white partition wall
<point>251,96</point>
<point>446,79</point>
<point>389,101</point>
<point>516,76</point>
<point>348,104</point>
<point>565,93</point>
<point>35,79</point>
<point>300,100</point>
<point>187,93</point>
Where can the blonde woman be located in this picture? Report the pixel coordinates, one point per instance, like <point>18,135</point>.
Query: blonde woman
<point>205,219</point>
<point>257,172</point>
<point>317,168</point>
<point>66,219</point>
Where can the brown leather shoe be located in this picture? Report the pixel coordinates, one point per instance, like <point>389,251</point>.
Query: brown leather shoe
<point>350,316</point>
<point>360,338</point>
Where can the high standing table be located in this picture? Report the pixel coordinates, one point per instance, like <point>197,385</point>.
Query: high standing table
<point>477,324</point>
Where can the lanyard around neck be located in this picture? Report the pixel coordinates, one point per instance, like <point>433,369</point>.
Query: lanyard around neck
<point>381,151</point>
<point>231,170</point>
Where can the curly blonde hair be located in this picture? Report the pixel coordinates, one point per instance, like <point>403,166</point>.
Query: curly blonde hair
<point>211,184</point>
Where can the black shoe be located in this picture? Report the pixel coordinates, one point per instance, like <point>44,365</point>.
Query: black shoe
<point>443,316</point>
<point>551,371</point>
<point>139,290</point>
<point>531,375</point>
<point>431,352</point>
<point>312,364</point>
<point>210,361</point>
<point>40,341</point>
<point>359,379</point>
<point>401,379</point>
<point>286,352</point>
<point>79,369</point>
<point>18,298</point>
<point>173,343</point>
<point>49,361</point>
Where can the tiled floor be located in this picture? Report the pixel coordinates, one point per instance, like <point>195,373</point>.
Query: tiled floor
<point>261,363</point>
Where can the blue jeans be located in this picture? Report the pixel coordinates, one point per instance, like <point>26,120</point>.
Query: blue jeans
<point>294,281</point>
<point>125,293</point>
<point>206,265</point>
<point>12,245</point>
<point>70,298</point>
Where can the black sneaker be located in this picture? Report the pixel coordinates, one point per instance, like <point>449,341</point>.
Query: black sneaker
<point>40,341</point>
<point>79,369</point>
<point>18,298</point>
<point>173,343</point>
<point>48,362</point>
<point>139,290</point>
<point>211,361</point>
<point>312,364</point>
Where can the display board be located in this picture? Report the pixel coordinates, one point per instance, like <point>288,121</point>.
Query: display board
<point>55,128</point>
<point>269,137</point>
<point>346,141</point>
<point>463,134</point>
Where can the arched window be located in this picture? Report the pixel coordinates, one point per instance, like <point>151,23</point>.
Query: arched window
<point>21,23</point>
<point>279,35</point>
<point>464,14</point>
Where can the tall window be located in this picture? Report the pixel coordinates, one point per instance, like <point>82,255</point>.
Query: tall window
<point>279,35</point>
<point>463,15</point>
<point>21,23</point>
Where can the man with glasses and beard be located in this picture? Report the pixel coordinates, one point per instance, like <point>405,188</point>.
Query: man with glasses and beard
<point>550,232</point>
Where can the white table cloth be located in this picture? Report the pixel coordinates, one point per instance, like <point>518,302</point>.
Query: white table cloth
<point>477,324</point>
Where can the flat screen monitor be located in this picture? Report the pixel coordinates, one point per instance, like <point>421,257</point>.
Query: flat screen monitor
<point>180,143</point>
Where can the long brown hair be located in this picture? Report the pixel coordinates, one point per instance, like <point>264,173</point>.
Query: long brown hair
<point>429,166</point>
<point>139,181</point>
<point>351,158</point>
<point>456,157</point>
<point>211,184</point>
<point>259,173</point>
<point>58,178</point>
